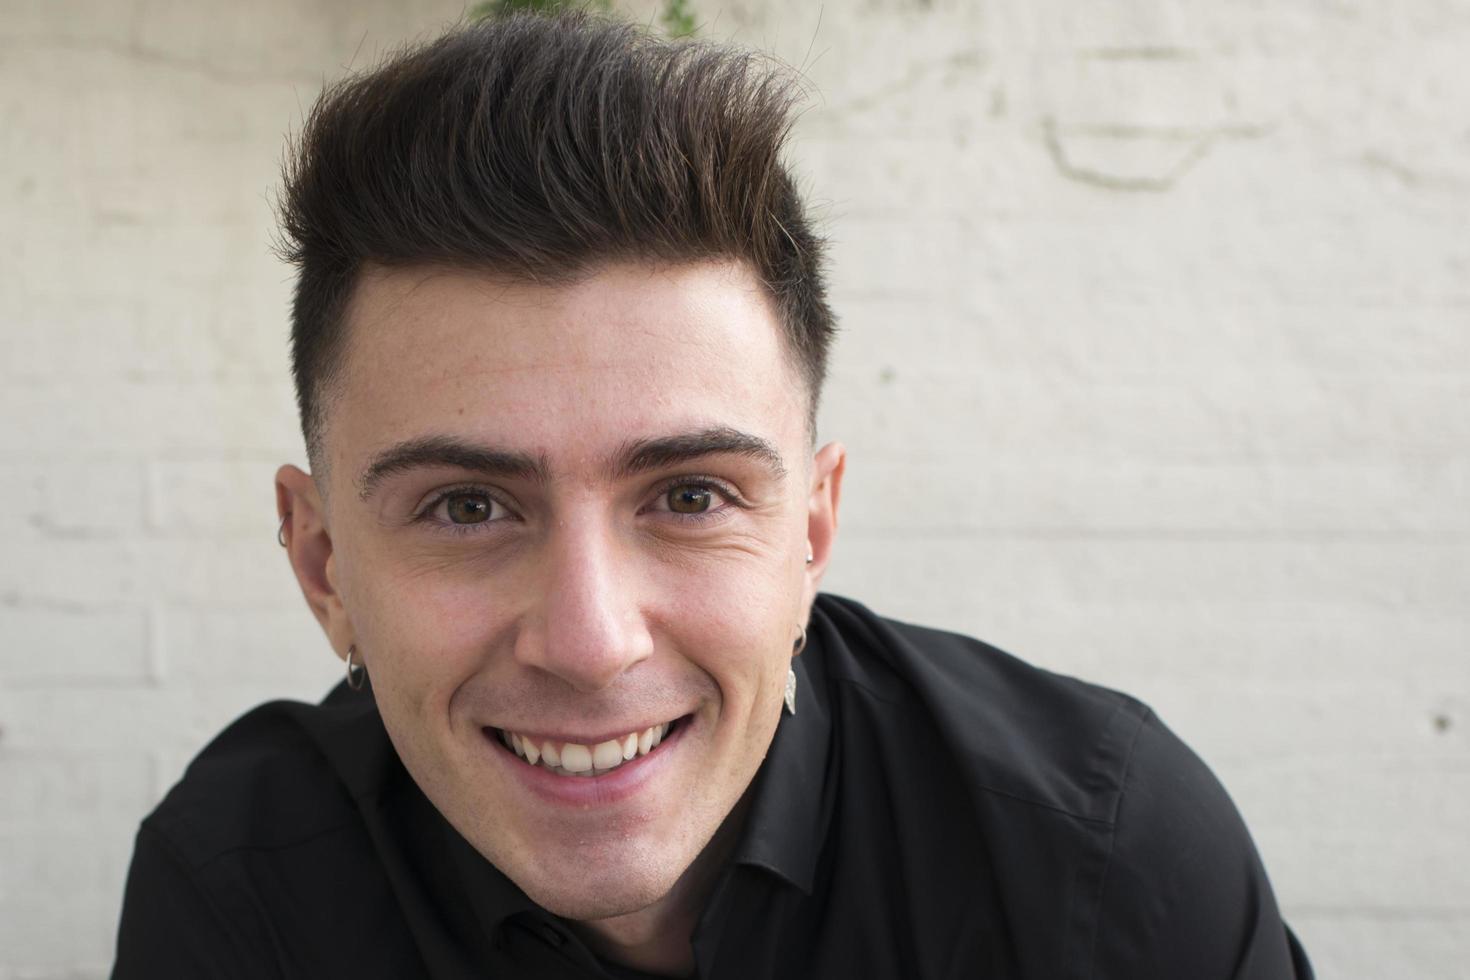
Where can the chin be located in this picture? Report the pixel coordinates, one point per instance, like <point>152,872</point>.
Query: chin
<point>584,893</point>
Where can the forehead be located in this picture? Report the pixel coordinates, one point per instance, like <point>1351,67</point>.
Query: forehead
<point>565,371</point>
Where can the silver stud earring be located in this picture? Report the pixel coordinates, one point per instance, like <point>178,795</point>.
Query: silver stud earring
<point>356,673</point>
<point>809,557</point>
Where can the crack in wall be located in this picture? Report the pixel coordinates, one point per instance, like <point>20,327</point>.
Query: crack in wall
<point>1201,142</point>
<point>132,51</point>
<point>967,60</point>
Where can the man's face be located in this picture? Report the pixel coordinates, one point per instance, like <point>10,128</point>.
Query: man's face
<point>565,516</point>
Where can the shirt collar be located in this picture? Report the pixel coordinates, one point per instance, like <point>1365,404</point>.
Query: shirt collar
<point>495,897</point>
<point>791,805</point>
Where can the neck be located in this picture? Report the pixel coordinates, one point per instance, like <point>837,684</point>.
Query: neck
<point>658,938</point>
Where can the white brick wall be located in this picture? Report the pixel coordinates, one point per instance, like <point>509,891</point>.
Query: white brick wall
<point>1156,369</point>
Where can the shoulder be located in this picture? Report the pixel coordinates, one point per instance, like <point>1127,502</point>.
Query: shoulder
<point>283,773</point>
<point>1185,891</point>
<point>1101,824</point>
<point>259,862</point>
<point>1019,731</point>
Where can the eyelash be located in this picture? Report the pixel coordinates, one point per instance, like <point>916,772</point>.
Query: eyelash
<point>449,527</point>
<point>719,487</point>
<point>732,498</point>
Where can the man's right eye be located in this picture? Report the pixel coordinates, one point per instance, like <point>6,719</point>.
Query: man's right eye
<point>469,508</point>
<point>463,508</point>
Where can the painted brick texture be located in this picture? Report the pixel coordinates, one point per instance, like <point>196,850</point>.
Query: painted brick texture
<point>1155,369</point>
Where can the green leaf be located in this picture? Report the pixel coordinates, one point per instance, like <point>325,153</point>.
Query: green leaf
<point>678,18</point>
<point>500,8</point>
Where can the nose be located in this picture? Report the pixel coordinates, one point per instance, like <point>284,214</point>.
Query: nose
<point>589,626</point>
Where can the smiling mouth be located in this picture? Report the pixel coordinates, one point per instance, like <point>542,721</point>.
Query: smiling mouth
<point>577,759</point>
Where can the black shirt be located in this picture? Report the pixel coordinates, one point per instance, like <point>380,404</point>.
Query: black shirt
<point>935,808</point>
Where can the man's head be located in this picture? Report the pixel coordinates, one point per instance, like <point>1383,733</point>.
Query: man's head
<point>535,148</point>
<point>559,335</point>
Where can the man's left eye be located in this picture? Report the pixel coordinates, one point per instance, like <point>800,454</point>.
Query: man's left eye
<point>692,499</point>
<point>695,499</point>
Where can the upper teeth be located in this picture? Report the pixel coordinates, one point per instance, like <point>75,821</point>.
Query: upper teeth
<point>576,759</point>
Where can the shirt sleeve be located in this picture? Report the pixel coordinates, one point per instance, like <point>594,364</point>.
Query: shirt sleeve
<point>1185,894</point>
<point>171,927</point>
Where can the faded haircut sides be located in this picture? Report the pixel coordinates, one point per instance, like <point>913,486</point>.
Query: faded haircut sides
<point>537,147</point>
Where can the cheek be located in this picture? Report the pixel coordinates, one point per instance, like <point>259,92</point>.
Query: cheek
<point>735,629</point>
<point>427,633</point>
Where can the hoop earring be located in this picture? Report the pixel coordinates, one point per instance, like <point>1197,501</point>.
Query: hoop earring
<point>800,643</point>
<point>356,673</point>
<point>281,531</point>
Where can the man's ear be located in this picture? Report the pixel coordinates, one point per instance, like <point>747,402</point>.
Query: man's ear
<point>821,516</point>
<point>309,547</point>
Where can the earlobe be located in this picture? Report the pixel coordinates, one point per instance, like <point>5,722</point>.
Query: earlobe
<point>309,547</point>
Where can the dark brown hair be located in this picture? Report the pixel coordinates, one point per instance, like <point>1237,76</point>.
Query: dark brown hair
<point>536,147</point>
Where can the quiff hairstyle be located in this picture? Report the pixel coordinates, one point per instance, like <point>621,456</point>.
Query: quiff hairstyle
<point>537,147</point>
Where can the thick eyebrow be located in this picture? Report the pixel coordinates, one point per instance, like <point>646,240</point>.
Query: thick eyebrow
<point>653,454</point>
<point>633,458</point>
<point>447,451</point>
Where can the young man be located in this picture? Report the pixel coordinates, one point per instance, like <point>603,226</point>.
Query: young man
<point>559,336</point>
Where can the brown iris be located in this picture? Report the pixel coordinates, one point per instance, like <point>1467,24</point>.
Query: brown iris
<point>689,500</point>
<point>469,508</point>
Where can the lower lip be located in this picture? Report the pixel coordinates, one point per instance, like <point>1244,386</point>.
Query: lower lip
<point>582,792</point>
